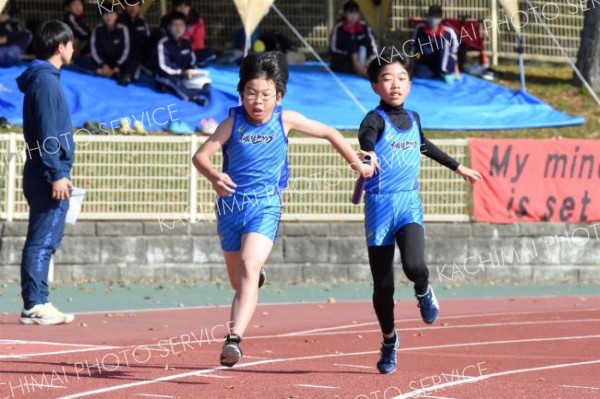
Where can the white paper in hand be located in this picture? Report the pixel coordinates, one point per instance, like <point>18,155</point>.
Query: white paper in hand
<point>75,202</point>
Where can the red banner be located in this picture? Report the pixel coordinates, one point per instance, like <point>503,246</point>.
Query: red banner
<point>527,180</point>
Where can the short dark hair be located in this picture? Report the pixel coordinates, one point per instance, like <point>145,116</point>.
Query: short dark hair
<point>351,6</point>
<point>49,36</point>
<point>435,11</point>
<point>177,3</point>
<point>271,65</point>
<point>174,16</point>
<point>389,55</point>
<point>67,3</point>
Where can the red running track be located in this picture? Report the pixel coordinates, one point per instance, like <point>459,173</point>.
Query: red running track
<point>479,348</point>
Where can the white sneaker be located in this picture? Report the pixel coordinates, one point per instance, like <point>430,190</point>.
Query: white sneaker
<point>45,315</point>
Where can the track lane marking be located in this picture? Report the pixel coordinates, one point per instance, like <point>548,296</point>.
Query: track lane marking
<point>315,357</point>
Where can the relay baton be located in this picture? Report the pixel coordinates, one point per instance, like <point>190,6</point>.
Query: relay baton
<point>360,185</point>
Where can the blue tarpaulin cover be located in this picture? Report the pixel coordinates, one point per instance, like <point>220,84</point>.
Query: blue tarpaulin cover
<point>471,104</point>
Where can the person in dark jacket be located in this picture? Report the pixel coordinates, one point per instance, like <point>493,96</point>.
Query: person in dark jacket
<point>47,173</point>
<point>110,46</point>
<point>14,41</point>
<point>196,32</point>
<point>437,47</point>
<point>175,64</point>
<point>139,35</point>
<point>74,17</point>
<point>352,45</point>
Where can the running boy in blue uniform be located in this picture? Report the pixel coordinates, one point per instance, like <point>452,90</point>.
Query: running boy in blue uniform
<point>255,170</point>
<point>391,135</point>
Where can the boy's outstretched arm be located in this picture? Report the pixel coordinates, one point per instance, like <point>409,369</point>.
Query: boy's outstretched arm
<point>221,182</point>
<point>296,121</point>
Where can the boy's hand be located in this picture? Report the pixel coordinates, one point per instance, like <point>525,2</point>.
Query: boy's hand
<point>3,39</point>
<point>364,154</point>
<point>60,189</point>
<point>223,185</point>
<point>468,174</point>
<point>189,73</point>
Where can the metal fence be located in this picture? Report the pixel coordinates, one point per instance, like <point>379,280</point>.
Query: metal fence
<point>313,19</point>
<point>150,178</point>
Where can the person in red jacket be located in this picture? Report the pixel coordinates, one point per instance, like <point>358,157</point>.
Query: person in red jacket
<point>196,32</point>
<point>351,43</point>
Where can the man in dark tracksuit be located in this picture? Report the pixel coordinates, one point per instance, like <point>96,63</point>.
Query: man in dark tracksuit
<point>139,35</point>
<point>110,47</point>
<point>437,45</point>
<point>346,39</point>
<point>74,17</point>
<point>176,61</point>
<point>47,173</point>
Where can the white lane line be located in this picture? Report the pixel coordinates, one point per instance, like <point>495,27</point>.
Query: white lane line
<point>420,392</point>
<point>153,395</point>
<point>28,355</point>
<point>43,386</point>
<point>22,342</point>
<point>316,330</point>
<point>356,366</point>
<point>316,386</point>
<point>578,386</point>
<point>255,357</point>
<point>328,356</point>
<point>432,328</point>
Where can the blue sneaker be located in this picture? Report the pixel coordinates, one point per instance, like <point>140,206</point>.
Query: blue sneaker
<point>387,360</point>
<point>178,127</point>
<point>428,304</point>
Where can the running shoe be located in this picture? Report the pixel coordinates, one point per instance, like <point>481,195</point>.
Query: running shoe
<point>428,305</point>
<point>45,314</point>
<point>231,353</point>
<point>387,356</point>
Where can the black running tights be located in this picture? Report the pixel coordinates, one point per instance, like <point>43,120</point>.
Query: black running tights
<point>411,242</point>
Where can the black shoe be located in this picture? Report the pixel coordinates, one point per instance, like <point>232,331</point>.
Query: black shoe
<point>201,101</point>
<point>124,81</point>
<point>262,277</point>
<point>231,352</point>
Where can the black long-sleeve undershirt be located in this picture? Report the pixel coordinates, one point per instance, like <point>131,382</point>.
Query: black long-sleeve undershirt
<point>373,125</point>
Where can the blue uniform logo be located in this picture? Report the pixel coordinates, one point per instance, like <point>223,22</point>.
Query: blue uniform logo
<point>399,155</point>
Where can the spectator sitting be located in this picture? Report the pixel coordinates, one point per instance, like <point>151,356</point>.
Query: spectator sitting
<point>14,41</point>
<point>196,32</point>
<point>81,32</point>
<point>110,46</point>
<point>437,45</point>
<point>139,35</point>
<point>351,44</point>
<point>175,69</point>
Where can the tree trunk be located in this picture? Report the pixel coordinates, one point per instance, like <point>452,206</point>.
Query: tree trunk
<point>588,58</point>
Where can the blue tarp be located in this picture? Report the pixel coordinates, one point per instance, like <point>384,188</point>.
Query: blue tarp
<point>472,104</point>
